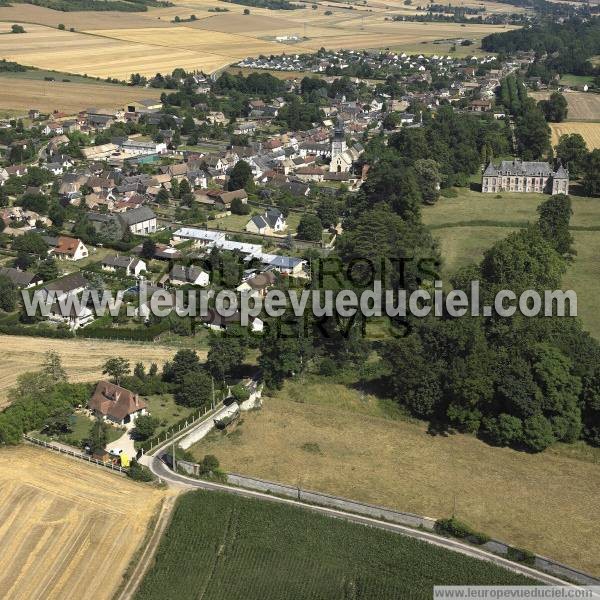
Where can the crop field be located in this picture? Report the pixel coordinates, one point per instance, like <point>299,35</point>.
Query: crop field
<point>327,437</point>
<point>20,93</point>
<point>118,44</point>
<point>589,131</point>
<point>68,529</point>
<point>82,359</point>
<point>467,225</point>
<point>222,546</point>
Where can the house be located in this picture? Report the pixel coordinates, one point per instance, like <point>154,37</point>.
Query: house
<point>141,221</point>
<point>213,320</point>
<point>141,148</point>
<point>272,221</point>
<point>480,105</point>
<point>519,176</point>
<point>70,285</point>
<point>258,284</point>
<point>193,275</point>
<point>224,200</point>
<point>288,265</point>
<point>132,266</point>
<point>21,279</point>
<point>111,402</point>
<point>66,248</point>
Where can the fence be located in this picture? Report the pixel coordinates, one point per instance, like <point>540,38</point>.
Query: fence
<point>176,428</point>
<point>79,455</point>
<point>360,508</point>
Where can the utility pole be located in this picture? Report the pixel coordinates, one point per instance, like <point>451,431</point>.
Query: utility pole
<point>174,457</point>
<point>212,385</point>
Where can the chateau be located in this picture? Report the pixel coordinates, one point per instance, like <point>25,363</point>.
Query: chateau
<point>518,176</point>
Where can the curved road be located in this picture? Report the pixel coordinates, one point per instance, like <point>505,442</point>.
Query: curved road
<point>160,469</point>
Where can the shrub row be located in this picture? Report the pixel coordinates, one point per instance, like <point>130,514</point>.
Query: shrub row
<point>461,530</point>
<point>36,331</point>
<point>146,334</point>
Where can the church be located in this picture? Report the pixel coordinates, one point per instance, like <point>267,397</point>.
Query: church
<point>342,157</point>
<point>518,176</point>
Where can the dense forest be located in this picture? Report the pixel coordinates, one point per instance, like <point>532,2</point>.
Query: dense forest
<point>568,45</point>
<point>93,5</point>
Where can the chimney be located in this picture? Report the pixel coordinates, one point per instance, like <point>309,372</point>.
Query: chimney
<point>136,399</point>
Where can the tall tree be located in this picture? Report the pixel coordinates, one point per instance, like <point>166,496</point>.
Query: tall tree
<point>117,368</point>
<point>555,216</point>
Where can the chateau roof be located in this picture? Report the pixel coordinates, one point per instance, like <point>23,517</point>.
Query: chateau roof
<point>529,169</point>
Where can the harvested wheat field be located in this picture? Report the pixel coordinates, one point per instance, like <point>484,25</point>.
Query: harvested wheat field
<point>82,359</point>
<point>589,131</point>
<point>19,93</point>
<point>100,56</point>
<point>68,530</point>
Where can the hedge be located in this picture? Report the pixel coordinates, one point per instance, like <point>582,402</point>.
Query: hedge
<point>521,555</point>
<point>35,331</point>
<point>146,334</point>
<point>458,529</point>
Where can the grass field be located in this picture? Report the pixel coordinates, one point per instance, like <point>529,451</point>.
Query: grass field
<point>469,224</point>
<point>589,131</point>
<point>221,546</point>
<point>82,359</point>
<point>68,529</point>
<point>324,436</point>
<point>18,92</point>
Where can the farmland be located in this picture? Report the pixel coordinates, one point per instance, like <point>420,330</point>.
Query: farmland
<point>118,44</point>
<point>589,131</point>
<point>69,530</point>
<point>18,92</point>
<point>362,448</point>
<point>582,106</point>
<point>82,359</point>
<point>470,223</point>
<point>222,546</point>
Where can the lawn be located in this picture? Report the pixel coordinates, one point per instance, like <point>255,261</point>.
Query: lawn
<point>467,225</point>
<point>222,546</point>
<point>163,407</point>
<point>80,425</point>
<point>365,450</point>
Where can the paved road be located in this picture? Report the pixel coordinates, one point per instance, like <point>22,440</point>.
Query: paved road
<point>160,469</point>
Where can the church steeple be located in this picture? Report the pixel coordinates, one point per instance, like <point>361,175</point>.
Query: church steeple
<point>338,143</point>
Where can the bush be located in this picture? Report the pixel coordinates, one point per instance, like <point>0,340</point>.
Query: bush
<point>521,555</point>
<point>327,367</point>
<point>138,472</point>
<point>461,530</point>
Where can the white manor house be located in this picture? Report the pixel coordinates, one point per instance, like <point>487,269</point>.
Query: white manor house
<point>518,176</point>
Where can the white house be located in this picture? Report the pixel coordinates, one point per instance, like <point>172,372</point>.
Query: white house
<point>66,248</point>
<point>272,221</point>
<point>141,221</point>
<point>180,275</point>
<point>111,402</point>
<point>132,266</point>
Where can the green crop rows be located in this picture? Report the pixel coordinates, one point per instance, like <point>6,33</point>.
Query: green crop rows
<point>220,546</point>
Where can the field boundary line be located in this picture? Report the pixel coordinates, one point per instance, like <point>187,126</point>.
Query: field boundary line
<point>149,551</point>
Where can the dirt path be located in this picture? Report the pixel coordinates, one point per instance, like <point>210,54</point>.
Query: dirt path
<point>147,556</point>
